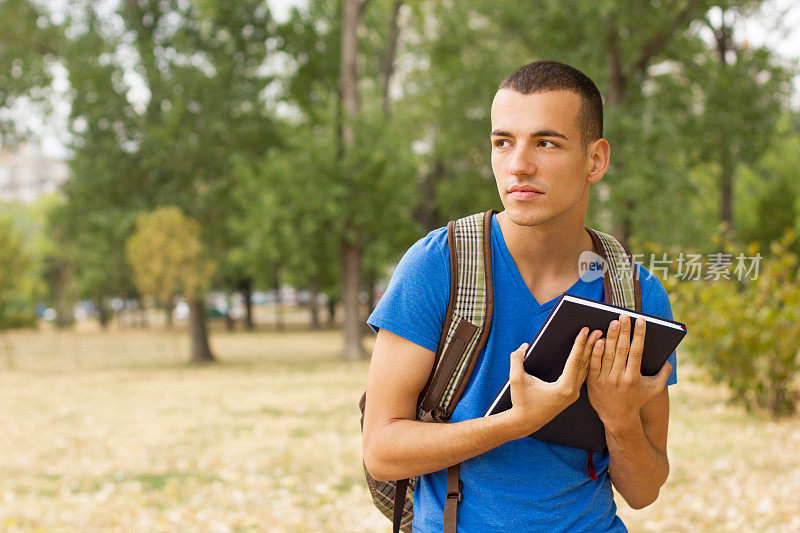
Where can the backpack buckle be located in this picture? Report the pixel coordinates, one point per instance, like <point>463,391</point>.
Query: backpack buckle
<point>434,415</point>
<point>438,415</point>
<point>456,495</point>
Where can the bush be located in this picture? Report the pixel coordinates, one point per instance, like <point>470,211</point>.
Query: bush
<point>18,318</point>
<point>746,333</point>
<point>16,277</point>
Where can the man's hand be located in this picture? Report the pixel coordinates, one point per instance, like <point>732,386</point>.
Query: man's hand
<point>617,389</point>
<point>536,402</point>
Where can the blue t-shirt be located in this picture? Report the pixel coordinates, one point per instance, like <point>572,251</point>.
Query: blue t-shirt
<point>525,484</point>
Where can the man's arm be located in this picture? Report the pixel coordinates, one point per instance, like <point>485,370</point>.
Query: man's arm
<point>635,412</point>
<point>637,461</point>
<point>397,446</point>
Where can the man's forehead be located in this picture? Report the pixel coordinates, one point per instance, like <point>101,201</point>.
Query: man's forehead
<point>547,108</point>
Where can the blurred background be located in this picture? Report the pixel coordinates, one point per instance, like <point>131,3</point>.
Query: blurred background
<point>202,200</point>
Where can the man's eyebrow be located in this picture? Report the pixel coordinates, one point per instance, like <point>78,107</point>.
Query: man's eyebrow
<point>540,133</point>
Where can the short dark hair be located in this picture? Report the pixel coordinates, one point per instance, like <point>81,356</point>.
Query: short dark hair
<point>541,76</point>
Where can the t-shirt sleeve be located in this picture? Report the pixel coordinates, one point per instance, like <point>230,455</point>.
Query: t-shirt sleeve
<point>656,302</point>
<point>415,301</point>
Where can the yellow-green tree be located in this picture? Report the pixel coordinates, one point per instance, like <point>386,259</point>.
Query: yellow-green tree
<point>167,258</point>
<point>16,283</point>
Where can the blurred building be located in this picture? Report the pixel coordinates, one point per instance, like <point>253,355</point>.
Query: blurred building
<point>26,173</point>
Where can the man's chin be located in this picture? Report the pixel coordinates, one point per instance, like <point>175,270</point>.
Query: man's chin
<point>525,217</point>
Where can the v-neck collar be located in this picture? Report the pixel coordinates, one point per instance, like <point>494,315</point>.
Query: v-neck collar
<point>497,236</point>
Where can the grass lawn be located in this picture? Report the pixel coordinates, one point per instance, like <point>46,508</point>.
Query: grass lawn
<point>112,431</point>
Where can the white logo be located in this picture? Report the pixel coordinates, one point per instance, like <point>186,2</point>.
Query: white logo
<point>591,266</point>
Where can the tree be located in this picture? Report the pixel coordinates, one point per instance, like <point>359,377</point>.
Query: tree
<point>751,82</point>
<point>202,66</point>
<point>28,43</point>
<point>347,180</point>
<point>17,284</point>
<point>167,258</point>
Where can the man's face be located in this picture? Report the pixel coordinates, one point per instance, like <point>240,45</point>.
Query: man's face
<point>537,156</point>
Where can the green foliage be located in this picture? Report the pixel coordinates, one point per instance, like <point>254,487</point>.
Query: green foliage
<point>28,42</point>
<point>202,66</point>
<point>670,105</point>
<point>167,257</point>
<point>313,193</point>
<point>17,285</point>
<point>768,199</point>
<point>298,200</point>
<point>746,332</point>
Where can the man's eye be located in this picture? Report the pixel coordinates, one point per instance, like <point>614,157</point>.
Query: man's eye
<point>548,144</point>
<point>499,143</point>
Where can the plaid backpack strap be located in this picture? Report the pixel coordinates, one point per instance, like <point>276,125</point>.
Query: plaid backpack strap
<point>620,275</point>
<point>468,318</point>
<point>466,327</point>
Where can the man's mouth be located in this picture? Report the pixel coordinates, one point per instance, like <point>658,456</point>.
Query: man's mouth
<point>525,195</point>
<point>524,192</point>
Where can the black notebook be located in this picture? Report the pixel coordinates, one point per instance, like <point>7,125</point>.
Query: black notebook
<point>579,425</point>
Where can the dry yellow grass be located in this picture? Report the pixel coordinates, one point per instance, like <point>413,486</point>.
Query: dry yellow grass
<point>112,431</point>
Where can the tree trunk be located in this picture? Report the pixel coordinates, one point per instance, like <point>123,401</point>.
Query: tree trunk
<point>246,288</point>
<point>279,323</point>
<point>103,316</point>
<point>142,317</point>
<point>201,352</point>
<point>370,286</point>
<point>348,75</point>
<point>331,312</point>
<point>351,247</point>
<point>723,36</point>
<point>59,278</point>
<point>426,210</point>
<point>726,187</point>
<point>168,310</point>
<point>313,304</point>
<point>229,325</point>
<point>388,63</point>
<point>622,227</point>
<point>617,85</point>
<point>351,284</point>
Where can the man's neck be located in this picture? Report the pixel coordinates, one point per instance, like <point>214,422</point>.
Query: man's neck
<point>550,250</point>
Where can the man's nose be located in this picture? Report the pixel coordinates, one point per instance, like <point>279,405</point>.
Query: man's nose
<point>523,163</point>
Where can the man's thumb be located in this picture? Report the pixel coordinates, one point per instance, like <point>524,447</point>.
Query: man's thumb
<point>517,371</point>
<point>663,375</point>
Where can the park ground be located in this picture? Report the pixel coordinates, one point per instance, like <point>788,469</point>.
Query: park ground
<point>112,431</point>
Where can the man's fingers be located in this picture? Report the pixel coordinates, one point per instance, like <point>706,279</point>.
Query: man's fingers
<point>586,360</point>
<point>610,347</point>
<point>623,343</point>
<point>574,361</point>
<point>596,360</point>
<point>517,371</point>
<point>637,348</point>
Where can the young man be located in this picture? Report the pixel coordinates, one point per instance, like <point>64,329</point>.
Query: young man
<point>547,150</point>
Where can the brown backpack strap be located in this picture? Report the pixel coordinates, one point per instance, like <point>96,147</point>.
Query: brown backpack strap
<point>399,503</point>
<point>426,400</point>
<point>447,359</point>
<point>452,498</point>
<point>448,356</point>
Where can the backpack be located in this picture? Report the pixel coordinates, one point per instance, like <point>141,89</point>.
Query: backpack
<point>467,324</point>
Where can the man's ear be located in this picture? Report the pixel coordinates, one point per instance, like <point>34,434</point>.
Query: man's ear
<point>598,156</point>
